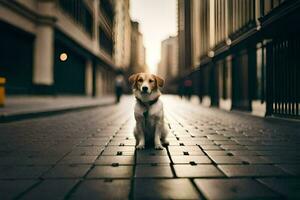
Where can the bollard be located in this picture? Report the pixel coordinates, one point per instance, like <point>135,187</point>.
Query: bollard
<point>2,91</point>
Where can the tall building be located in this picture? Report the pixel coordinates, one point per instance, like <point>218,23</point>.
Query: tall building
<point>138,51</point>
<point>122,34</point>
<point>168,65</point>
<point>58,47</point>
<point>243,53</point>
<point>184,36</point>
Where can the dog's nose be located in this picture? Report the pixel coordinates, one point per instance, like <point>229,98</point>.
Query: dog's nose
<point>145,89</point>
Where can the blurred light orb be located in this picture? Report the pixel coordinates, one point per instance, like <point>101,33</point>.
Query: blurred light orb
<point>258,27</point>
<point>63,56</point>
<point>211,54</point>
<point>228,41</point>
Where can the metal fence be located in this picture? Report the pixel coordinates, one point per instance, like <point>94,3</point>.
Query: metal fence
<point>284,77</point>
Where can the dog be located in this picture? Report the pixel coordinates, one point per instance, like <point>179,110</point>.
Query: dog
<point>148,111</point>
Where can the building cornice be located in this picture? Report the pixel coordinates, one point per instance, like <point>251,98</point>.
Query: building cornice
<point>279,12</point>
<point>28,13</point>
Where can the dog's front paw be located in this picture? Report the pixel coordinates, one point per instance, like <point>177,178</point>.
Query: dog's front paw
<point>159,147</point>
<point>140,147</point>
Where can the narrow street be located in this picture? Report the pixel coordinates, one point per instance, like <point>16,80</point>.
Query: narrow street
<point>90,154</point>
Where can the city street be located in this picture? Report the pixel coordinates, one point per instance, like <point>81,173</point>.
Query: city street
<point>90,154</point>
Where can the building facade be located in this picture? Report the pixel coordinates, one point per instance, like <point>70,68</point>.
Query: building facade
<point>122,34</point>
<point>184,36</point>
<point>58,47</point>
<point>138,50</point>
<point>247,54</point>
<point>168,65</point>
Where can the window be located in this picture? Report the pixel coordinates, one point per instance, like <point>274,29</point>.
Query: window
<point>79,12</point>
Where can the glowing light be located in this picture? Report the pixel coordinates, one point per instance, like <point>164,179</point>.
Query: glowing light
<point>211,54</point>
<point>228,41</point>
<point>258,27</point>
<point>63,56</point>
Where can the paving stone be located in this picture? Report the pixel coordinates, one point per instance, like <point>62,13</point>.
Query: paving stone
<point>290,168</point>
<point>122,142</point>
<point>22,172</point>
<point>115,160</point>
<point>191,160</point>
<point>233,189</point>
<point>197,171</point>
<point>194,142</point>
<point>224,142</point>
<point>163,171</point>
<point>116,152</point>
<point>119,148</point>
<point>244,153</point>
<point>216,153</point>
<point>86,151</point>
<point>210,147</point>
<point>217,137</point>
<point>29,160</point>
<point>164,189</point>
<point>288,187</point>
<point>152,152</point>
<point>153,160</point>
<point>67,171</point>
<point>78,160</point>
<point>50,189</point>
<point>233,147</point>
<point>185,148</point>
<point>254,159</point>
<point>94,142</point>
<point>251,170</point>
<point>102,189</point>
<point>283,159</point>
<point>225,159</point>
<point>10,189</point>
<point>111,172</point>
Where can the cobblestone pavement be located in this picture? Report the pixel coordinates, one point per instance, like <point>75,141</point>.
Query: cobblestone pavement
<point>90,154</point>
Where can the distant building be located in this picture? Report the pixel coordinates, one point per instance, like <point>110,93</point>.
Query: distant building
<point>138,51</point>
<point>122,34</point>
<point>242,54</point>
<point>61,47</point>
<point>184,36</point>
<point>168,65</point>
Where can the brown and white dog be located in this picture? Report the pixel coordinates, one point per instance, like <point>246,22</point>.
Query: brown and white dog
<point>148,111</point>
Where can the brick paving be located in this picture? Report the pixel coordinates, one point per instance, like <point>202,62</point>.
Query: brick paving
<point>90,154</point>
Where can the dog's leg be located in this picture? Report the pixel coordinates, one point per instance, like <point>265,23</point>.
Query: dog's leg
<point>157,136</point>
<point>139,136</point>
<point>164,134</point>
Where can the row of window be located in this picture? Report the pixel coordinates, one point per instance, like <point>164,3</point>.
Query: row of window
<point>267,6</point>
<point>79,12</point>
<point>106,42</point>
<point>232,17</point>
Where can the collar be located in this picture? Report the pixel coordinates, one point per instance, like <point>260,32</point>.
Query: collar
<point>148,103</point>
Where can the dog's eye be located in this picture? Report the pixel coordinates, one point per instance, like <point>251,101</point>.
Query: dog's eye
<point>151,81</point>
<point>140,80</point>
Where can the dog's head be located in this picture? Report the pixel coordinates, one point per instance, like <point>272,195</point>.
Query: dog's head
<point>145,84</point>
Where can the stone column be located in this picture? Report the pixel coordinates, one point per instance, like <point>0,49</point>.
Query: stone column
<point>44,45</point>
<point>89,78</point>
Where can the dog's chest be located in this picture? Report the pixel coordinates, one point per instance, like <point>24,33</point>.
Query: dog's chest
<point>150,116</point>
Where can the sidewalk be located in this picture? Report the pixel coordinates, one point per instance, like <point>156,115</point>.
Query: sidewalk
<point>90,154</point>
<point>19,107</point>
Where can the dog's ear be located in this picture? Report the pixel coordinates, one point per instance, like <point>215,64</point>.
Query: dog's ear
<point>159,80</point>
<point>132,78</point>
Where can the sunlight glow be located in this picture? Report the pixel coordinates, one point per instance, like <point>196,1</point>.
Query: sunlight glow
<point>158,20</point>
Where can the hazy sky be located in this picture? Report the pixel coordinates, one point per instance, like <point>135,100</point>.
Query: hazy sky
<point>158,21</point>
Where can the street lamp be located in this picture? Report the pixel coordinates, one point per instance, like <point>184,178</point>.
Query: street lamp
<point>63,57</point>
